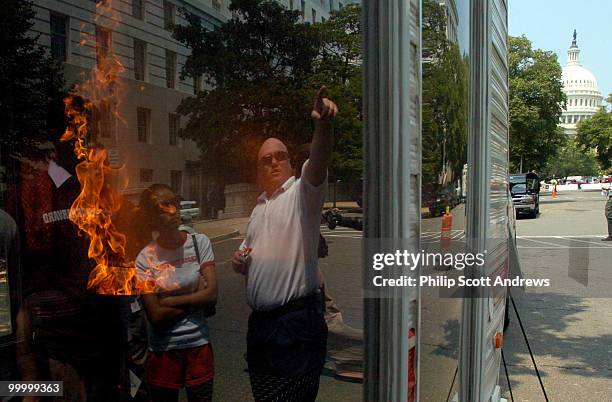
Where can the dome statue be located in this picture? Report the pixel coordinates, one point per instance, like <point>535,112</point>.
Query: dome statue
<point>580,87</point>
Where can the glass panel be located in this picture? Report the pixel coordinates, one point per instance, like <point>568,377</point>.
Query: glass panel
<point>138,9</point>
<point>140,59</point>
<point>95,211</point>
<point>170,69</point>
<point>58,36</point>
<point>446,79</point>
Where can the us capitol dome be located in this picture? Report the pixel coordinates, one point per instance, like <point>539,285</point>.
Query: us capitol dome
<point>580,87</point>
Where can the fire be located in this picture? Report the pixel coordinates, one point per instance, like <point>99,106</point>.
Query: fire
<point>99,199</point>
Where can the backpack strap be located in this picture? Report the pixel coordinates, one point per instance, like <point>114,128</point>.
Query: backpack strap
<point>196,248</point>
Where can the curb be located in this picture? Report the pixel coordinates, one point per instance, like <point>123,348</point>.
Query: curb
<point>225,236</point>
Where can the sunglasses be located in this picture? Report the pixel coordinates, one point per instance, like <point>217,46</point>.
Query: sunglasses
<point>169,207</point>
<point>267,160</point>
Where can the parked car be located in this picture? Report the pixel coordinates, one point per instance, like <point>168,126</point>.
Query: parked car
<point>525,191</point>
<point>438,200</point>
<point>189,210</point>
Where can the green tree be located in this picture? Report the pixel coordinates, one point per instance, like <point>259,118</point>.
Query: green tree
<point>596,134</point>
<point>31,108</point>
<point>445,98</point>
<point>536,102</point>
<point>572,160</point>
<point>255,67</point>
<point>339,67</point>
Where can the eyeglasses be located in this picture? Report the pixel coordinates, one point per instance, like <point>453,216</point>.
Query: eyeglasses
<point>169,207</point>
<point>267,160</point>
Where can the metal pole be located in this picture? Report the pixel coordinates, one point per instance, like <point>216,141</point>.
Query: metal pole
<point>335,191</point>
<point>392,99</point>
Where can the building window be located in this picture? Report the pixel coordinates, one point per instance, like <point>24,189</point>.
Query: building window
<point>173,127</point>
<point>144,124</point>
<point>322,2</point>
<point>176,181</point>
<point>340,5</point>
<point>59,36</point>
<point>140,59</point>
<point>290,4</point>
<point>168,15</point>
<point>303,10</point>
<point>103,44</point>
<point>314,16</point>
<point>170,68</point>
<point>217,4</point>
<point>146,175</point>
<point>103,120</point>
<point>323,19</point>
<point>138,9</point>
<point>331,5</point>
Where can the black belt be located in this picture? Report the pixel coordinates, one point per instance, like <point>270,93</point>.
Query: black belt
<point>315,300</point>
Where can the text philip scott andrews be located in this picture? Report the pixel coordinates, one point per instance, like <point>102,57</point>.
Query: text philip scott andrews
<point>459,261</point>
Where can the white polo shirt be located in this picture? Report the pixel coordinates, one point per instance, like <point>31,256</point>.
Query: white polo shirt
<point>283,232</point>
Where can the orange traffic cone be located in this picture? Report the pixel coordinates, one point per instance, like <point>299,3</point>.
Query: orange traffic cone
<point>445,230</point>
<point>554,192</point>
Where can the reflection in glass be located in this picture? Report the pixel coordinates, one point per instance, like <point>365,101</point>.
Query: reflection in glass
<point>445,89</point>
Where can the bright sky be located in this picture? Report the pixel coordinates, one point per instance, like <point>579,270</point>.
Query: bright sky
<point>549,25</point>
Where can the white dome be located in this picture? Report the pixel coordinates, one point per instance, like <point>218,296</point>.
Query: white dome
<point>580,87</point>
<point>576,77</point>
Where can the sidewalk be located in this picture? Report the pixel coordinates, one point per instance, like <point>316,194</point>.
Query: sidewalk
<point>222,229</point>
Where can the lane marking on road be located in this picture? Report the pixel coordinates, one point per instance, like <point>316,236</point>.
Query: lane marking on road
<point>563,247</point>
<point>341,231</point>
<point>558,236</point>
<point>544,242</point>
<point>344,237</point>
<point>582,241</point>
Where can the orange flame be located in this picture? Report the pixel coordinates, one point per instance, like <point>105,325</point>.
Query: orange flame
<point>99,201</point>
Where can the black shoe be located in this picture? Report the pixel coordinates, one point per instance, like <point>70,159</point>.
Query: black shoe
<point>609,238</point>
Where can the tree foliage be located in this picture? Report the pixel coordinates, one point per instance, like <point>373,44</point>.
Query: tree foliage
<point>31,108</point>
<point>536,102</point>
<point>261,70</point>
<point>339,67</point>
<point>445,99</point>
<point>255,67</point>
<point>572,160</point>
<point>596,134</point>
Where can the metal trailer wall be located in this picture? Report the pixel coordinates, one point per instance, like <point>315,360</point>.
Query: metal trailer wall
<point>392,138</point>
<point>487,219</point>
<point>392,182</point>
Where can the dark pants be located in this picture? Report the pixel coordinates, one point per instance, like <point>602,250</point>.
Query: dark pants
<point>286,353</point>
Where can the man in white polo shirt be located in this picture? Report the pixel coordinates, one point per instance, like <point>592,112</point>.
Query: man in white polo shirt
<point>286,341</point>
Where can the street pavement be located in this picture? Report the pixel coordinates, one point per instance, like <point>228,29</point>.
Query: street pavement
<point>568,324</point>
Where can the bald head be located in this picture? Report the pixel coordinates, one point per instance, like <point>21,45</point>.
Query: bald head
<point>273,165</point>
<point>271,145</point>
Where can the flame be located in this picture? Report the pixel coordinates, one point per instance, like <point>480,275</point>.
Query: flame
<point>99,200</point>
